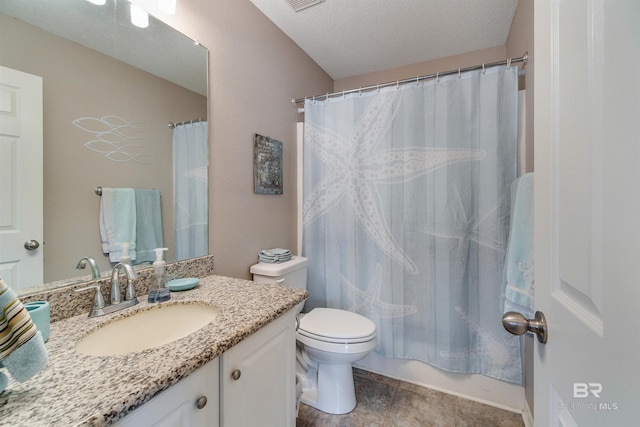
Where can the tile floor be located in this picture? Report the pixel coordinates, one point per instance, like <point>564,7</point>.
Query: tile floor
<point>386,402</point>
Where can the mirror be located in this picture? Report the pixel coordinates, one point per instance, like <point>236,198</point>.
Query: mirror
<point>98,69</point>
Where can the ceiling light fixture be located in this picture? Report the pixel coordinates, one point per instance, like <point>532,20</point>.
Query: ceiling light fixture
<point>298,5</point>
<point>139,17</point>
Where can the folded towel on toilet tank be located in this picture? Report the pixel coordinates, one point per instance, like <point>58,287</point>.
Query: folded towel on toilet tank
<point>275,255</point>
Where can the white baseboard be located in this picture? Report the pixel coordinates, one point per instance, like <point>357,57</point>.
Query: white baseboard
<point>469,386</point>
<point>527,416</point>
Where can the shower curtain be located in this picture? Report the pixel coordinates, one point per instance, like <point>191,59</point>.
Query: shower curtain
<point>190,189</point>
<point>406,213</point>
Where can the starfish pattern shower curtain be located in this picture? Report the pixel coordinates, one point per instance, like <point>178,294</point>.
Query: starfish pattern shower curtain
<point>406,216</point>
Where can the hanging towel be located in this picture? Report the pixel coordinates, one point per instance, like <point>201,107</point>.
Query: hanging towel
<point>148,224</point>
<point>274,255</point>
<point>519,278</point>
<point>118,221</point>
<point>22,349</point>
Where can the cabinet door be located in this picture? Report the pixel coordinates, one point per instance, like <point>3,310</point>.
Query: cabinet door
<point>257,378</point>
<point>178,405</point>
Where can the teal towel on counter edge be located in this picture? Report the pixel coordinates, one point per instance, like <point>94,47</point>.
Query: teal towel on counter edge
<point>519,262</point>
<point>22,351</point>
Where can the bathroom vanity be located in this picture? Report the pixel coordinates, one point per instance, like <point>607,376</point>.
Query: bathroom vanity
<point>251,384</point>
<point>237,370</point>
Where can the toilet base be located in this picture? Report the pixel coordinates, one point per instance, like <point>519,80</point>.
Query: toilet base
<point>334,392</point>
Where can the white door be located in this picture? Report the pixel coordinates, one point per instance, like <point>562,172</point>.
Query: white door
<point>21,214</point>
<point>587,212</point>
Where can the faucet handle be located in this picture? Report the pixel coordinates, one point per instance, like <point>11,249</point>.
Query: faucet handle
<point>130,292</point>
<point>98,299</point>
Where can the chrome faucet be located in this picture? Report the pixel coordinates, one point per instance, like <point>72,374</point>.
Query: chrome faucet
<point>99,307</point>
<point>95,271</point>
<point>130,292</point>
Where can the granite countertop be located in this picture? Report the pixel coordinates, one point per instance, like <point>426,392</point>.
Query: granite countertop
<point>76,389</point>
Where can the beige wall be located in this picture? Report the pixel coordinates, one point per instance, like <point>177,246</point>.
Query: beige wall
<point>423,68</point>
<point>255,71</point>
<point>79,82</point>
<point>520,41</point>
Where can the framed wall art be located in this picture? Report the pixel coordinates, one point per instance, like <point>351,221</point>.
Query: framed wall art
<point>267,165</point>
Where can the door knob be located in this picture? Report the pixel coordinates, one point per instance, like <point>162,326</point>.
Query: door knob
<point>31,245</point>
<point>201,402</point>
<point>236,374</point>
<point>517,324</point>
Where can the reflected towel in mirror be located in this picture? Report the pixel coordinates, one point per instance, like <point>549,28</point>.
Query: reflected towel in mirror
<point>118,221</point>
<point>148,224</point>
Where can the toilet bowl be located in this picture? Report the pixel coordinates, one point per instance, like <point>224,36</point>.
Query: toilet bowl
<point>328,342</point>
<point>333,339</point>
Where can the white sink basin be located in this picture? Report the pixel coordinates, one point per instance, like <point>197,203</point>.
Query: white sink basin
<point>147,329</point>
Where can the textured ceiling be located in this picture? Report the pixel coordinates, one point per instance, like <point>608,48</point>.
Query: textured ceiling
<point>353,37</point>
<point>158,49</point>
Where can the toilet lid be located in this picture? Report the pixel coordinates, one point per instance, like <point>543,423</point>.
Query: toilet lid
<point>333,324</point>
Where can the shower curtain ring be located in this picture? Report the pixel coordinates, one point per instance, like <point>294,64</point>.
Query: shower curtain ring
<point>483,70</point>
<point>509,64</point>
<point>459,73</point>
<point>438,77</point>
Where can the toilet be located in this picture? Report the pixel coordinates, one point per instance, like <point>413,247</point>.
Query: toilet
<point>328,342</point>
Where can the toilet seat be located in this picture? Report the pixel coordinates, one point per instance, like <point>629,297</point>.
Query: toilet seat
<point>336,326</point>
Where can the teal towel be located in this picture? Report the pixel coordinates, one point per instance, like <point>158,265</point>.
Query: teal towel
<point>118,221</point>
<point>22,349</point>
<point>274,255</point>
<point>519,263</point>
<point>3,381</point>
<point>148,224</point>
<point>28,359</point>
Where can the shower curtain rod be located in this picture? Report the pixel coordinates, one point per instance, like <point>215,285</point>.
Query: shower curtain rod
<point>523,59</point>
<point>173,125</point>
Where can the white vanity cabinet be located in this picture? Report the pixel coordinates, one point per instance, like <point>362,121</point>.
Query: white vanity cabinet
<point>250,385</point>
<point>257,378</point>
<point>192,402</point>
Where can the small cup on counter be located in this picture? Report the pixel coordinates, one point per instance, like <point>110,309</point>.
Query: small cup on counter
<point>40,313</point>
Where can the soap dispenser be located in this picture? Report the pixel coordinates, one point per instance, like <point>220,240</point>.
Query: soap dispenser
<point>125,258</point>
<point>159,291</point>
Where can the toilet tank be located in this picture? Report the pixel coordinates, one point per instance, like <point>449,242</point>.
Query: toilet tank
<point>292,273</point>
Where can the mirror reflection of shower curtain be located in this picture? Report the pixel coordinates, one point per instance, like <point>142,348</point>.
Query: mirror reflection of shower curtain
<point>406,216</point>
<point>190,189</point>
